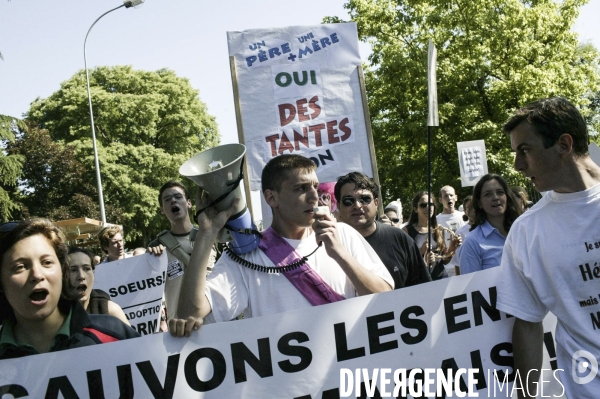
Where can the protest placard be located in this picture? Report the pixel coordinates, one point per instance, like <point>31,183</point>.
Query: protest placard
<point>307,353</point>
<point>299,90</point>
<point>472,160</point>
<point>136,284</point>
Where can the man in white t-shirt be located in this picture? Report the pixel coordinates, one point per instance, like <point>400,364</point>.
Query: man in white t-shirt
<point>450,218</point>
<point>551,256</point>
<point>344,262</point>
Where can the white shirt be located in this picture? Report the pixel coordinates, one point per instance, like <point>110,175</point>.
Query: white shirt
<point>233,289</point>
<point>548,265</point>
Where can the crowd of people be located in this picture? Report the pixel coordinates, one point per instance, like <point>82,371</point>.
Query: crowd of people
<point>314,257</point>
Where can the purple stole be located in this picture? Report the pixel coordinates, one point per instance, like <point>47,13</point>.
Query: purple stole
<point>304,278</point>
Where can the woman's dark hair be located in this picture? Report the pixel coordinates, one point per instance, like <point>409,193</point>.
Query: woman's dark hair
<point>57,240</point>
<point>521,194</point>
<point>437,232</point>
<point>513,209</point>
<point>87,252</point>
<point>466,201</point>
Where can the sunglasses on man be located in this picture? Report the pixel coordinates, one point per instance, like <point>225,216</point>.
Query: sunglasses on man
<point>362,200</point>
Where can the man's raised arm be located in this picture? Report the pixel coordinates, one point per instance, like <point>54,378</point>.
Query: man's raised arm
<point>193,304</point>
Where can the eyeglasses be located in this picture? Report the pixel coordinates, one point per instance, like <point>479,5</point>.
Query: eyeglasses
<point>363,200</point>
<point>170,197</point>
<point>325,198</point>
<point>424,205</point>
<point>395,220</point>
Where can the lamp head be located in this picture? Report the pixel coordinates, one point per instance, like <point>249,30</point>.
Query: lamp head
<point>132,3</point>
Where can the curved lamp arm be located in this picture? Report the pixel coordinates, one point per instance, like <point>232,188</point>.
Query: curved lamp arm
<point>126,4</point>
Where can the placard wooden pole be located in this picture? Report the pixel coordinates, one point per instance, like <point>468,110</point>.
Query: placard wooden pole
<point>240,128</point>
<point>365,106</point>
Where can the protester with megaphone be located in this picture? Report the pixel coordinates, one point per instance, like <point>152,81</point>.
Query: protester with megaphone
<point>304,259</point>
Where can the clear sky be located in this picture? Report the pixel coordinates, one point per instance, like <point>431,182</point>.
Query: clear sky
<point>42,42</point>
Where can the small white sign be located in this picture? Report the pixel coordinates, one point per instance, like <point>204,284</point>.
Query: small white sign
<point>472,160</point>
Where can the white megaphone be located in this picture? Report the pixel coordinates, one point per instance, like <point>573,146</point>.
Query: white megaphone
<point>218,171</point>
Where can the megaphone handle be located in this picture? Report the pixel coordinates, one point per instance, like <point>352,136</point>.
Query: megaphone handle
<point>243,231</point>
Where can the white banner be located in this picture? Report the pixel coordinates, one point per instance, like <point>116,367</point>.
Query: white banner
<point>450,323</point>
<point>136,284</point>
<point>299,93</point>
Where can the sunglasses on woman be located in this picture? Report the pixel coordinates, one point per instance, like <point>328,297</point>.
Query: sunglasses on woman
<point>362,199</point>
<point>325,198</point>
<point>424,205</point>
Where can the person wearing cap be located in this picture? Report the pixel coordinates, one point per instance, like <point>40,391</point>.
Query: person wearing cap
<point>393,211</point>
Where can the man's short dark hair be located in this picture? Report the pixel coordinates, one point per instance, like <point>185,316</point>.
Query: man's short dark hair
<point>551,118</point>
<point>361,182</point>
<point>277,170</point>
<point>171,184</point>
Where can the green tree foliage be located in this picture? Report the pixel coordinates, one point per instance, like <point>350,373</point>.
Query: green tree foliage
<point>147,125</point>
<point>10,168</point>
<point>53,181</point>
<point>493,57</point>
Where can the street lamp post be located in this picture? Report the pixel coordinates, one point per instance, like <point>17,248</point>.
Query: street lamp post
<point>126,4</point>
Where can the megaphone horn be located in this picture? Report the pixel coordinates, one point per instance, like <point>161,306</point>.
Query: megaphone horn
<point>218,171</point>
<point>232,187</point>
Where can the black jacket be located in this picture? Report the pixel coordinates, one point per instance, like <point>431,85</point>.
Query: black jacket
<point>85,329</point>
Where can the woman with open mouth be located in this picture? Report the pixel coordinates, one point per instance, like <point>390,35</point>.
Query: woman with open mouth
<point>81,278</point>
<point>39,310</point>
<point>496,208</point>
